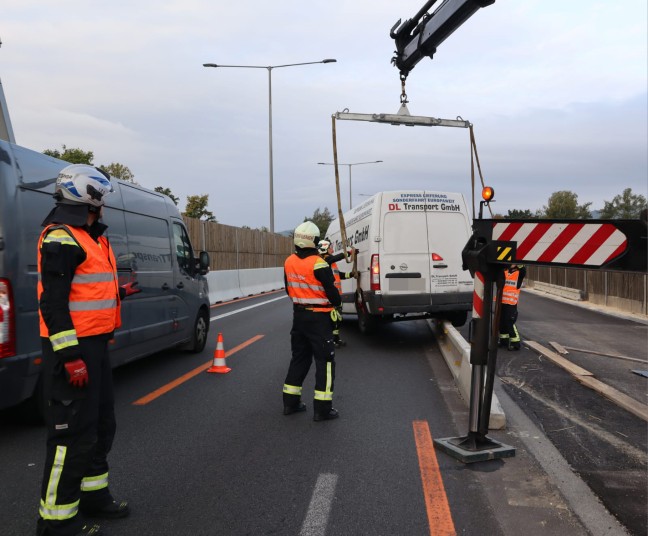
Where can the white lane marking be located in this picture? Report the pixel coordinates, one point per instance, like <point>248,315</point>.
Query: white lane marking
<point>320,506</point>
<point>246,308</point>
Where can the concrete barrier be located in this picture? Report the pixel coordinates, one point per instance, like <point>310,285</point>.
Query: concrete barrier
<point>225,285</point>
<point>456,352</point>
<point>556,290</point>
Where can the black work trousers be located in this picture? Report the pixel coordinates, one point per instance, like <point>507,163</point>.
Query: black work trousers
<point>311,337</point>
<point>80,432</point>
<point>507,330</point>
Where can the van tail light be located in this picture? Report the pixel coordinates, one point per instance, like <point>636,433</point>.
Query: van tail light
<point>7,320</point>
<point>436,257</point>
<point>375,273</point>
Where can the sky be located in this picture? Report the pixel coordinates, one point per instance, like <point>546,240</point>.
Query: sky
<point>556,91</point>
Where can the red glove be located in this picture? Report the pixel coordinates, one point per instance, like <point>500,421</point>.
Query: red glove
<point>129,288</point>
<point>76,372</point>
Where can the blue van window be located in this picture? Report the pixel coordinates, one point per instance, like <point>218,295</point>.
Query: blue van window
<point>148,243</point>
<point>183,249</point>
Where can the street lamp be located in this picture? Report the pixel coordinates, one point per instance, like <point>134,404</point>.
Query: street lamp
<point>269,68</point>
<point>354,164</point>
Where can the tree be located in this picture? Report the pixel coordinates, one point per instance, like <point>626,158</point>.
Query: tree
<point>197,207</point>
<point>73,155</point>
<point>517,214</point>
<point>119,171</point>
<point>167,192</point>
<point>626,206</point>
<point>564,204</point>
<point>322,219</point>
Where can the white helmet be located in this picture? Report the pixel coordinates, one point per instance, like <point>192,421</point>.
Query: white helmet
<point>323,246</point>
<point>81,183</point>
<point>306,235</point>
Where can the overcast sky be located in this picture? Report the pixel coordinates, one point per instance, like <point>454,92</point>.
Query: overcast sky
<point>556,90</point>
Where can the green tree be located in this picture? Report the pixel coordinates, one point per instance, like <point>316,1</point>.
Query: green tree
<point>626,206</point>
<point>71,155</point>
<point>321,218</point>
<point>197,207</point>
<point>564,204</point>
<point>517,214</point>
<point>167,192</point>
<point>119,171</point>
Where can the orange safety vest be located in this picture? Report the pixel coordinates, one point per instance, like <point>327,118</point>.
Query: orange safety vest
<point>94,295</point>
<point>511,293</point>
<point>336,277</point>
<point>302,285</point>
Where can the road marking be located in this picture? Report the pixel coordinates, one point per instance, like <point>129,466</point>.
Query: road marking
<point>320,506</point>
<point>246,308</point>
<point>220,304</point>
<point>179,381</point>
<point>436,501</point>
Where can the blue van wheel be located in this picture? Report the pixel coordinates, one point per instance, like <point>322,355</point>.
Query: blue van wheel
<point>199,337</point>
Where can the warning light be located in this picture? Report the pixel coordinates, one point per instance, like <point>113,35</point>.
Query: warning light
<point>488,193</point>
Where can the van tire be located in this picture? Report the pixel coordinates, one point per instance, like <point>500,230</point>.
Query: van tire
<point>199,335</point>
<point>458,318</point>
<point>366,321</point>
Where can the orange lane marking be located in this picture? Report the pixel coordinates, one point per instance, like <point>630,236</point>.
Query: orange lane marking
<point>246,298</point>
<point>179,381</point>
<point>436,501</point>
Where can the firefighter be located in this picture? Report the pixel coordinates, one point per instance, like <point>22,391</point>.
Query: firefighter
<point>311,286</point>
<point>325,249</point>
<point>79,309</point>
<point>508,333</point>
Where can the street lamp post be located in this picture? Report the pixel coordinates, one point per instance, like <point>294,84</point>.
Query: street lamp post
<point>269,68</point>
<point>353,164</point>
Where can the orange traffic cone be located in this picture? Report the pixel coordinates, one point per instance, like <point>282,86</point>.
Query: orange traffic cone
<point>219,365</point>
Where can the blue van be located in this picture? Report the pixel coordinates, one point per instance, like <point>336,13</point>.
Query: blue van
<point>151,245</point>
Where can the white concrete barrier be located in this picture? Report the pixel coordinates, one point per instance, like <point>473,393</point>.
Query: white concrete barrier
<point>565,292</point>
<point>456,352</point>
<point>225,285</point>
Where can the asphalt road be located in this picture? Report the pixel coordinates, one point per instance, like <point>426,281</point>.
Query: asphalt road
<point>212,454</point>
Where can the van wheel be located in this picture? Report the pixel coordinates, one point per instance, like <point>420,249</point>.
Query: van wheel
<point>366,321</point>
<point>458,318</point>
<point>199,337</point>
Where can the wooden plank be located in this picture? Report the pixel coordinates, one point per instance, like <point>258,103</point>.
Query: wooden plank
<point>607,355</point>
<point>587,379</point>
<point>619,398</point>
<point>560,349</point>
<point>558,360</point>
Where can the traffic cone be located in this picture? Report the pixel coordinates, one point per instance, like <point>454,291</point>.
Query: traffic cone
<point>219,365</point>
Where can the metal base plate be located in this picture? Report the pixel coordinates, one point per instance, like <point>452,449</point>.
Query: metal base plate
<point>492,450</point>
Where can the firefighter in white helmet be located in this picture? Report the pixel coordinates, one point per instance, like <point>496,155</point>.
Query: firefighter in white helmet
<point>79,309</point>
<point>325,249</point>
<point>311,286</point>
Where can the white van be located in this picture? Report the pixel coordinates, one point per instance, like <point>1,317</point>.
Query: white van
<point>151,246</point>
<point>409,257</point>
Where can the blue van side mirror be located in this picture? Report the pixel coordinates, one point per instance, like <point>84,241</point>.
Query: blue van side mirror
<point>203,263</point>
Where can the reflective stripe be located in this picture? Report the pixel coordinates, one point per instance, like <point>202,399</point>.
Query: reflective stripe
<point>305,285</point>
<point>93,278</point>
<point>310,301</point>
<point>58,512</point>
<point>328,394</point>
<point>515,338</point>
<point>48,507</point>
<point>92,483</point>
<point>60,237</point>
<point>64,339</point>
<point>94,305</point>
<point>292,389</point>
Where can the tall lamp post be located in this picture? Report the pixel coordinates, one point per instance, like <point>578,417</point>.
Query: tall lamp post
<point>350,165</point>
<point>269,68</point>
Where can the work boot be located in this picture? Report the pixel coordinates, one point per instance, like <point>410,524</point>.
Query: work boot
<point>502,342</point>
<point>338,342</point>
<point>112,510</point>
<point>513,346</point>
<point>326,416</point>
<point>289,410</point>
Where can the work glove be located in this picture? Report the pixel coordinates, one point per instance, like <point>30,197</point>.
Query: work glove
<point>76,372</point>
<point>128,289</point>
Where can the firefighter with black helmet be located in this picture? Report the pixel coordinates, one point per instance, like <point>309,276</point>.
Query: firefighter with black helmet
<point>508,333</point>
<point>79,310</point>
<point>311,286</point>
